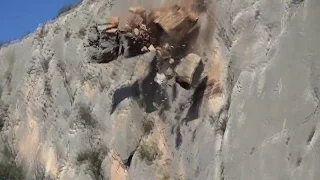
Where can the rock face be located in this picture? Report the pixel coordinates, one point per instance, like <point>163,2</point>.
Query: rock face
<point>251,112</point>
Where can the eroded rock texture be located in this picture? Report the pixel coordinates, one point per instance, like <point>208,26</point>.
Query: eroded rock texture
<point>251,111</point>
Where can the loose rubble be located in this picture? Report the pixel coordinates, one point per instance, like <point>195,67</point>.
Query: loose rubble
<point>162,30</point>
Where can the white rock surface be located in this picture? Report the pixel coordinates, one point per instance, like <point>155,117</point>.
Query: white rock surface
<point>253,114</point>
<point>160,78</point>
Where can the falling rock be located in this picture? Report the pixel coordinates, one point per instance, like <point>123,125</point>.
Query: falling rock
<point>169,72</point>
<point>135,21</point>
<point>102,27</point>
<point>151,48</point>
<point>144,49</point>
<point>171,61</point>
<point>136,31</point>
<point>186,68</point>
<point>112,22</point>
<point>160,78</point>
<point>137,10</point>
<point>175,21</point>
<point>112,31</point>
<point>125,28</point>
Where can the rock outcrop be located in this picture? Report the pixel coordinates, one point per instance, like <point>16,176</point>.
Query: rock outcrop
<point>246,106</point>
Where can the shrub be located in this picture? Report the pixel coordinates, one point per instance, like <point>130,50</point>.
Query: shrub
<point>43,32</point>
<point>149,152</point>
<point>82,33</point>
<point>67,36</point>
<point>68,7</point>
<point>25,34</point>
<point>9,169</point>
<point>57,29</point>
<point>3,113</point>
<point>85,116</point>
<point>94,159</point>
<point>65,9</point>
<point>2,43</point>
<point>147,126</point>
<point>40,173</point>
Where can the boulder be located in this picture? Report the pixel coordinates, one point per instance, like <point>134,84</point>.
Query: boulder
<point>144,49</point>
<point>138,10</point>
<point>113,31</point>
<point>136,31</point>
<point>175,21</point>
<point>185,69</point>
<point>151,48</point>
<point>112,22</point>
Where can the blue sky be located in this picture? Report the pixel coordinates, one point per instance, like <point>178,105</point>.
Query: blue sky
<point>17,17</point>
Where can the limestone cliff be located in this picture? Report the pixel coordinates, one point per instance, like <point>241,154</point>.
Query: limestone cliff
<point>251,111</point>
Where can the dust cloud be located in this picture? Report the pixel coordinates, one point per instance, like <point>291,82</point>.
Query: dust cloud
<point>201,40</point>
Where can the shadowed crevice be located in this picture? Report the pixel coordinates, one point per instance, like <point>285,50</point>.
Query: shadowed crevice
<point>153,95</point>
<point>178,137</point>
<point>130,46</point>
<point>197,74</point>
<point>129,160</point>
<point>149,94</point>
<point>174,92</point>
<point>123,93</point>
<point>183,84</point>
<point>193,112</point>
<point>150,88</point>
<point>311,135</point>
